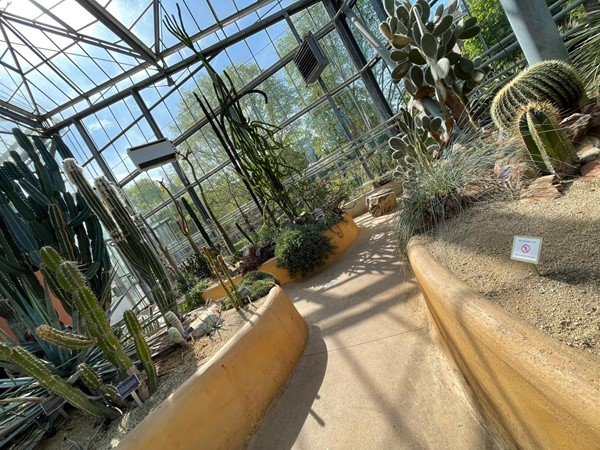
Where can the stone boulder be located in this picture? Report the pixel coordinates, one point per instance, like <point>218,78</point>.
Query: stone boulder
<point>381,203</point>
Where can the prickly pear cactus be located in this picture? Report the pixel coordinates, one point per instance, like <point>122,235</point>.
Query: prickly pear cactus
<point>428,61</point>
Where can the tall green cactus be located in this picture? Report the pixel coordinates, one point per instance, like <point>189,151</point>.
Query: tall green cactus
<point>555,82</point>
<point>424,50</point>
<point>36,368</point>
<point>550,149</point>
<point>110,209</point>
<point>96,323</point>
<point>141,347</point>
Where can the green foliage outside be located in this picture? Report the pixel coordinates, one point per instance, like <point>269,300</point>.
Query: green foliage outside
<point>302,248</point>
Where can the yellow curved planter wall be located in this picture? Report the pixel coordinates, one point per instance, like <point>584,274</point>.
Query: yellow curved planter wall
<point>540,392</point>
<point>221,404</point>
<point>342,234</point>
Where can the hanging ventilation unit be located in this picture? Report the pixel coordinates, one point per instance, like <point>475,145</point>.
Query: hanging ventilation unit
<point>310,59</point>
<point>153,154</point>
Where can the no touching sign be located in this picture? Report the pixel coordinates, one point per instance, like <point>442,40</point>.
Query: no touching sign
<point>526,249</point>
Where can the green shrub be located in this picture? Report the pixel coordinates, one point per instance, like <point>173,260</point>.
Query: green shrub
<point>258,283</point>
<point>196,266</point>
<point>328,195</point>
<point>302,248</point>
<point>192,299</point>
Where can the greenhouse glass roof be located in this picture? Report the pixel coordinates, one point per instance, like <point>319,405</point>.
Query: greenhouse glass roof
<point>60,57</point>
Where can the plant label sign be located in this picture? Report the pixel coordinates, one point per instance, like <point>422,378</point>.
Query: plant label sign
<point>128,385</point>
<point>526,249</point>
<point>52,404</point>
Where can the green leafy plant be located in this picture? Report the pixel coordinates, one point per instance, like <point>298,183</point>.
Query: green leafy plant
<point>434,74</point>
<point>550,149</point>
<point>328,195</point>
<point>301,249</point>
<point>197,266</point>
<point>555,82</point>
<point>192,299</point>
<point>258,283</point>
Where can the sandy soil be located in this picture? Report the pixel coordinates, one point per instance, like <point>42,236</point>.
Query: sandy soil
<point>174,367</point>
<point>564,300</point>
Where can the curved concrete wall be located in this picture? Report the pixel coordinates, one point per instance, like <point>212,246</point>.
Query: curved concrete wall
<point>342,234</point>
<point>221,404</point>
<point>540,392</point>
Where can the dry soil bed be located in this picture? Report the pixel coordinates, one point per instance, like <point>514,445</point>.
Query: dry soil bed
<point>564,300</point>
<point>85,432</point>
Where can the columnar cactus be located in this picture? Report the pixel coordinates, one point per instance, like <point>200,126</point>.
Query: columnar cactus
<point>141,347</point>
<point>555,82</point>
<point>230,291</point>
<point>86,303</point>
<point>93,381</point>
<point>36,368</point>
<point>63,339</point>
<point>425,52</point>
<point>110,209</point>
<point>550,149</point>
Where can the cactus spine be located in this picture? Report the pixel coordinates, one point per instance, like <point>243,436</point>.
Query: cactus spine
<point>175,336</point>
<point>34,366</point>
<point>126,234</point>
<point>141,348</point>
<point>172,319</point>
<point>63,339</point>
<point>550,149</point>
<point>555,82</point>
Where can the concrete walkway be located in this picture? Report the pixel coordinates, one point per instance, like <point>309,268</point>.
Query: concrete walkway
<point>371,376</point>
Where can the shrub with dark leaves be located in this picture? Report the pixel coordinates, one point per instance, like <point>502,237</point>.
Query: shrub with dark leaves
<point>302,248</point>
<point>254,256</point>
<point>197,266</point>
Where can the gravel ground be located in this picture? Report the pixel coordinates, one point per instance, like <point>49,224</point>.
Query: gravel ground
<point>564,300</point>
<point>86,432</point>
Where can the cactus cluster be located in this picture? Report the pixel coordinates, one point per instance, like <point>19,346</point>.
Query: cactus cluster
<point>93,381</point>
<point>555,82</point>
<point>550,149</point>
<point>424,49</point>
<point>107,204</point>
<point>36,210</point>
<point>231,291</point>
<point>36,368</point>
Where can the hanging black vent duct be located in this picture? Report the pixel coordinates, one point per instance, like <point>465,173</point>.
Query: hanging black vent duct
<point>310,59</point>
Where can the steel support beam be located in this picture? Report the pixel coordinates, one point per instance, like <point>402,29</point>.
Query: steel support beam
<point>19,115</point>
<point>123,33</point>
<point>95,153</point>
<point>168,71</point>
<point>178,169</point>
<point>357,57</point>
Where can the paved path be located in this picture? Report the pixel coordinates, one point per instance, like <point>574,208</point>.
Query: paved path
<point>371,376</point>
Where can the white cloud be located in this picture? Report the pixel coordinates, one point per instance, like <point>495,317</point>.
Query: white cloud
<point>99,124</point>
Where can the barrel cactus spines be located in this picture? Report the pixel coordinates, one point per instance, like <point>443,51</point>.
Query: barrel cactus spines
<point>108,206</point>
<point>550,149</point>
<point>93,381</point>
<point>35,367</point>
<point>555,82</point>
<point>96,323</point>
<point>70,341</point>
<point>141,347</point>
<point>429,64</point>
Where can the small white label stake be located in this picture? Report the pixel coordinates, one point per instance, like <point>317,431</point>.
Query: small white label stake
<point>526,249</point>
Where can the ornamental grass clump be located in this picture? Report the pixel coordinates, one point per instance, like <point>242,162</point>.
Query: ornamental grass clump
<point>302,248</point>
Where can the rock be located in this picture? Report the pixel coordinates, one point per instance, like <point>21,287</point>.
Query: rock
<point>588,154</point>
<point>576,126</point>
<point>591,169</point>
<point>382,203</point>
<point>516,171</point>
<point>543,189</point>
